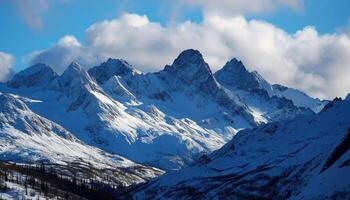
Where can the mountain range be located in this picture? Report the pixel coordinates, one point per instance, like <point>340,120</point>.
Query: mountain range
<point>228,134</point>
<point>164,119</point>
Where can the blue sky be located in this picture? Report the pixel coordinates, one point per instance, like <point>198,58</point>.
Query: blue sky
<point>74,17</point>
<point>325,15</point>
<point>299,43</point>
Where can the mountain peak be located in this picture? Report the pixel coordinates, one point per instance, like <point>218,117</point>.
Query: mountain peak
<point>189,65</point>
<point>75,74</point>
<point>114,61</point>
<point>35,75</point>
<point>235,67</point>
<point>235,64</point>
<point>189,56</point>
<point>235,74</point>
<point>112,67</point>
<point>35,69</point>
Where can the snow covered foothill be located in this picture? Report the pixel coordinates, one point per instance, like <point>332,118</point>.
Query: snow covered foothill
<point>305,158</point>
<point>26,137</point>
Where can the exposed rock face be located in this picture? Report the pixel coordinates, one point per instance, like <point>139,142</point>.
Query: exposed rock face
<point>112,67</point>
<point>235,74</point>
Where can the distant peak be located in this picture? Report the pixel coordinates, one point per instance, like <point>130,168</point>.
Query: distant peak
<point>235,74</point>
<point>75,71</point>
<point>118,65</point>
<point>35,69</point>
<point>39,66</point>
<point>235,65</point>
<point>112,67</point>
<point>191,53</point>
<point>189,65</point>
<point>35,75</point>
<point>235,61</point>
<point>233,70</point>
<point>189,56</point>
<point>117,61</point>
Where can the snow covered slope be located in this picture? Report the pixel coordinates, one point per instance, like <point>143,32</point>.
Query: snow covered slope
<point>188,89</point>
<point>261,95</point>
<point>165,119</point>
<point>299,98</point>
<point>305,158</point>
<point>137,131</point>
<point>185,89</point>
<point>26,137</point>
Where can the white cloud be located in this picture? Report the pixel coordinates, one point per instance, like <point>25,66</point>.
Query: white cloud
<point>68,41</point>
<point>317,64</point>
<point>66,50</point>
<point>6,61</point>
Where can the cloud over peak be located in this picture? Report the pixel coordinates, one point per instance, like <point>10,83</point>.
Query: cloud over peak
<point>315,63</point>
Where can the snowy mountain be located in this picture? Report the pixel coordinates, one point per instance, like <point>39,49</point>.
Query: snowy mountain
<point>235,74</point>
<point>270,102</point>
<point>185,89</point>
<point>304,158</point>
<point>26,137</point>
<point>36,75</point>
<point>209,103</point>
<point>83,120</point>
<point>120,110</point>
<point>139,132</point>
<point>299,98</point>
<point>112,67</point>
